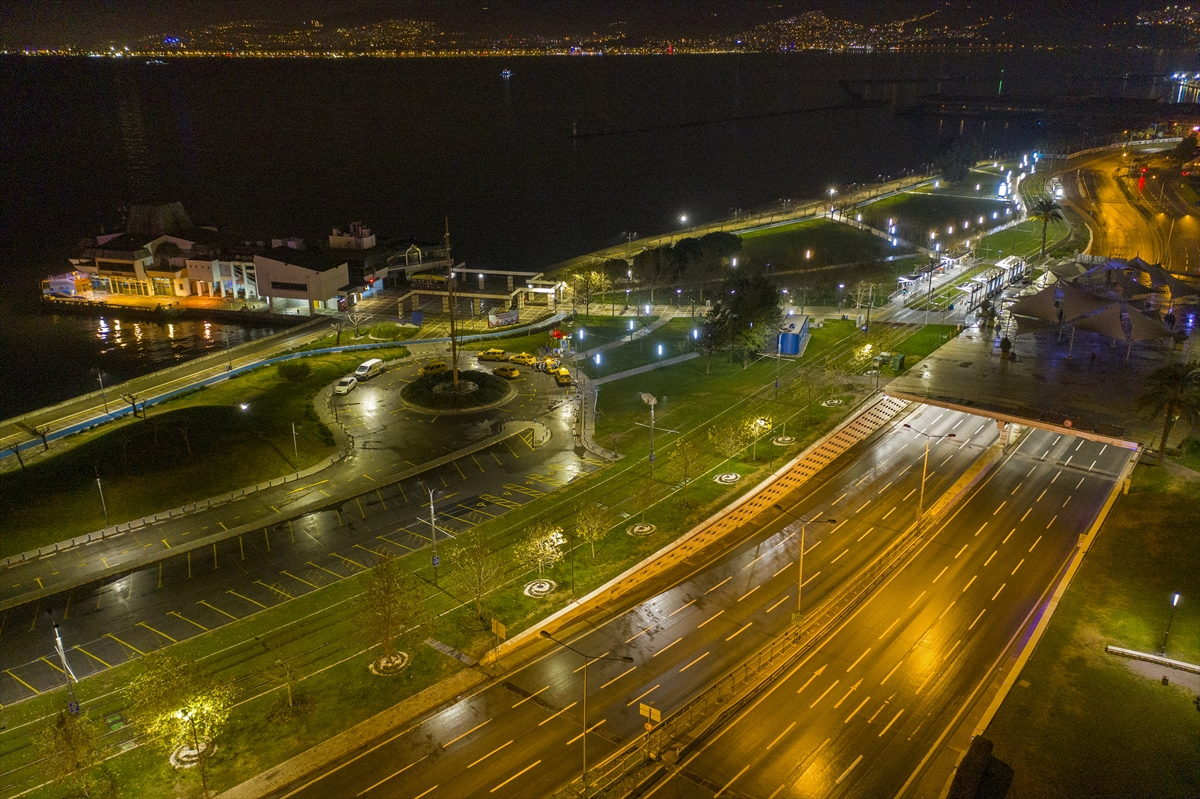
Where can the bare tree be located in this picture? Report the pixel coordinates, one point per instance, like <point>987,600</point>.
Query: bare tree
<point>478,566</point>
<point>16,450</point>
<point>394,603</point>
<point>339,325</point>
<point>860,292</point>
<point>356,318</point>
<point>41,432</point>
<point>132,399</point>
<point>684,464</point>
<point>592,523</point>
<point>73,757</point>
<point>541,546</point>
<point>729,437</point>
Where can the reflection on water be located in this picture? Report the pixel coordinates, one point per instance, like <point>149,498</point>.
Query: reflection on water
<point>52,358</point>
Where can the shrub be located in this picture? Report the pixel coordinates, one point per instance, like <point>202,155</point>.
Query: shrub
<point>425,391</point>
<point>296,371</point>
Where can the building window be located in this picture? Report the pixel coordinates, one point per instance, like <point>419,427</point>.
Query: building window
<point>289,286</point>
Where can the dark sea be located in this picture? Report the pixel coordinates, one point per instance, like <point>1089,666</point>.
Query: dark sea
<point>293,147</point>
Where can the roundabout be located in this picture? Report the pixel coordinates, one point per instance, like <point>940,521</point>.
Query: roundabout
<point>476,391</point>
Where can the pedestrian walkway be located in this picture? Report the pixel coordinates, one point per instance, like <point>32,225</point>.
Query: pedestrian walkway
<point>650,367</point>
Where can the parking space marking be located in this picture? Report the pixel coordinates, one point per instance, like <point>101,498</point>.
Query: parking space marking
<point>18,679</point>
<point>322,568</point>
<point>159,632</point>
<point>119,641</point>
<point>276,589</point>
<point>185,618</point>
<point>103,662</point>
<point>345,559</point>
<point>248,599</point>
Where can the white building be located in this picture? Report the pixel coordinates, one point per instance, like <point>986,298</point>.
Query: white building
<point>289,278</point>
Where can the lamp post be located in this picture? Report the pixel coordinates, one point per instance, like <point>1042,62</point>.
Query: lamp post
<point>798,616</point>
<point>104,397</point>
<point>1162,650</point>
<point>831,193</point>
<point>925,466</point>
<point>587,661</point>
<point>190,718</point>
<point>650,400</point>
<point>433,532</point>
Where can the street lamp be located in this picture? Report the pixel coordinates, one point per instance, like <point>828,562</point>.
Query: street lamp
<point>841,287</point>
<point>798,616</point>
<point>432,531</point>
<point>103,396</point>
<point>831,193</point>
<point>650,400</point>
<point>190,718</point>
<point>925,467</point>
<point>1162,650</point>
<point>587,661</point>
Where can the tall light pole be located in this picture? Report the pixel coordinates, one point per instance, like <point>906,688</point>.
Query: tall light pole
<point>587,661</point>
<point>650,400</point>
<point>925,466</point>
<point>100,487</point>
<point>433,532</point>
<point>831,193</point>
<point>73,705</point>
<point>1162,650</point>
<point>104,397</point>
<point>798,616</point>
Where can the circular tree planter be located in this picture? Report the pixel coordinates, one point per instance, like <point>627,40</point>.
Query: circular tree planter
<point>390,665</point>
<point>640,529</point>
<point>833,403</point>
<point>475,391</point>
<point>540,588</point>
<point>187,757</point>
<point>728,478</point>
<point>783,441</point>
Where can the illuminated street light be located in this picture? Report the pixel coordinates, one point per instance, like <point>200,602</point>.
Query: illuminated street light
<point>798,616</point>
<point>925,466</point>
<point>650,400</point>
<point>1162,650</point>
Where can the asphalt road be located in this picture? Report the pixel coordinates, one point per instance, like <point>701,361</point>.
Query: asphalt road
<point>108,621</point>
<point>858,716</point>
<point>522,736</point>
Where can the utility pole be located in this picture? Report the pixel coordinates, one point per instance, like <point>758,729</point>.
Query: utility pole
<point>101,488</point>
<point>650,400</point>
<point>450,292</point>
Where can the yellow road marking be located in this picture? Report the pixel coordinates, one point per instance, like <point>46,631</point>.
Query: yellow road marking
<point>248,599</point>
<point>273,588</point>
<point>223,527</point>
<point>305,488</point>
<point>119,641</point>
<point>457,519</point>
<point>160,632</point>
<point>53,665</point>
<point>165,544</point>
<point>277,510</point>
<point>477,510</point>
<point>322,568</point>
<point>369,477</point>
<point>299,579</point>
<point>381,500</point>
<point>93,657</point>
<point>218,610</point>
<point>185,618</point>
<point>18,679</point>
<point>347,560</point>
<point>460,471</point>
<point>360,507</point>
<point>397,543</point>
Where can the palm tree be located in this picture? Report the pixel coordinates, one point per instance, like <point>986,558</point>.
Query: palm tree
<point>1172,390</point>
<point>1045,211</point>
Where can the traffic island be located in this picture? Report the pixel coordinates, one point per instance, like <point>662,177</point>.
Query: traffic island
<point>473,391</point>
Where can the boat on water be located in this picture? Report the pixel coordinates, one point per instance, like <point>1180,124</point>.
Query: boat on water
<point>507,73</point>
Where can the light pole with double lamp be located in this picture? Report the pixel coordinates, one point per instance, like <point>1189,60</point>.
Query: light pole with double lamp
<point>798,616</point>
<point>925,466</point>
<point>432,531</point>
<point>587,661</point>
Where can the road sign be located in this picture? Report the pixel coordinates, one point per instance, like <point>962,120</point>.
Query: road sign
<point>73,707</point>
<point>437,561</point>
<point>498,629</point>
<point>417,318</point>
<point>652,713</point>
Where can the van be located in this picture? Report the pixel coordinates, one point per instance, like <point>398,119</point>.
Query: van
<point>368,369</point>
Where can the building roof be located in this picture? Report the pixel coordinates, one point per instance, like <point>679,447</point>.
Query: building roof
<point>312,260</point>
<point>130,245</point>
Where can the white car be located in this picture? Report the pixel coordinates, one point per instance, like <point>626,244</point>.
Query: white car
<point>345,385</point>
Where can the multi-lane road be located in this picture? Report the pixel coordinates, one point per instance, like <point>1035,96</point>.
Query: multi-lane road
<point>521,736</point>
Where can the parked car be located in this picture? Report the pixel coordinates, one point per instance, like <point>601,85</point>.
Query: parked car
<point>433,368</point>
<point>548,365</point>
<point>562,376</point>
<point>493,354</point>
<point>345,385</point>
<point>523,358</point>
<point>368,369</point>
<point>507,372</point>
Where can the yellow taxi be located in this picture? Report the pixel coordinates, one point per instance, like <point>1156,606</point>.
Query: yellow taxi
<point>507,372</point>
<point>433,368</point>
<point>549,365</point>
<point>562,376</point>
<point>524,358</point>
<point>493,354</point>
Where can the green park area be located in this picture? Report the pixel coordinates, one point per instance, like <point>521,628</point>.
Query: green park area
<point>233,434</point>
<point>1081,722</point>
<point>918,212</point>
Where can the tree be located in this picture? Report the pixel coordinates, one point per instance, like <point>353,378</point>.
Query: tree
<point>713,336</point>
<point>1172,390</point>
<point>541,546</point>
<point>684,464</point>
<point>956,161</point>
<point>394,603</point>
<point>860,292</point>
<point>179,706</point>
<point>729,437</point>
<point>1185,151</point>
<point>588,283</point>
<point>1045,211</point>
<point>478,566</point>
<point>41,432</point>
<point>653,267</point>
<point>132,399</point>
<point>73,757</point>
<point>592,523</point>
<point>338,325</point>
<point>356,318</point>
<point>748,309</point>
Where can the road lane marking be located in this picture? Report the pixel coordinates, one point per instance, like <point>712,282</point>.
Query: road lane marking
<point>585,732</point>
<point>619,676</point>
<point>989,560</point>
<point>1017,488</point>
<point>1067,462</point>
<point>968,585</point>
<point>853,712</point>
<point>980,530</point>
<point>889,629</point>
<point>185,618</point>
<point>668,646</point>
<point>425,792</point>
<point>1044,490</point>
<point>889,513</point>
<point>822,696</point>
<point>843,496</point>
<point>1035,543</point>
<point>756,560</point>
<point>694,662</point>
<point>531,696</point>
<point>865,504</point>
<point>513,777</point>
<point>998,507</point>
<point>643,696</point>
<point>731,782</point>
<point>998,590</point>
<point>159,632</point>
<point>964,547</point>
<point>1014,571</point>
<point>218,610</point>
<point>781,568</point>
<point>1010,532</point>
<point>638,635</point>
<point>810,579</point>
<point>864,535</point>
<point>915,601</point>
<point>844,551</point>
<point>890,723</point>
<point>972,627</point>
<point>739,632</point>
<point>480,760</point>
<point>780,602</point>
<point>1051,521</point>
<point>810,679</point>
<point>780,735</point>
<point>672,613</point>
<point>909,494</point>
<point>119,641</point>
<point>1027,512</point>
<point>1055,477</point>
<point>748,593</point>
<point>710,618</point>
<point>559,713</point>
<point>860,657</point>
<point>846,695</point>
<point>36,692</point>
<point>939,575</point>
<point>1065,501</point>
<point>857,760</point>
<point>947,610</point>
<point>718,585</point>
<point>890,673</point>
<point>1081,479</point>
<point>248,599</point>
<point>52,664</point>
<point>465,734</point>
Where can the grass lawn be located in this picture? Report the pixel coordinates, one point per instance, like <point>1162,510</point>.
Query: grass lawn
<point>190,448</point>
<point>916,213</point>
<point>785,247</point>
<point>1080,722</point>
